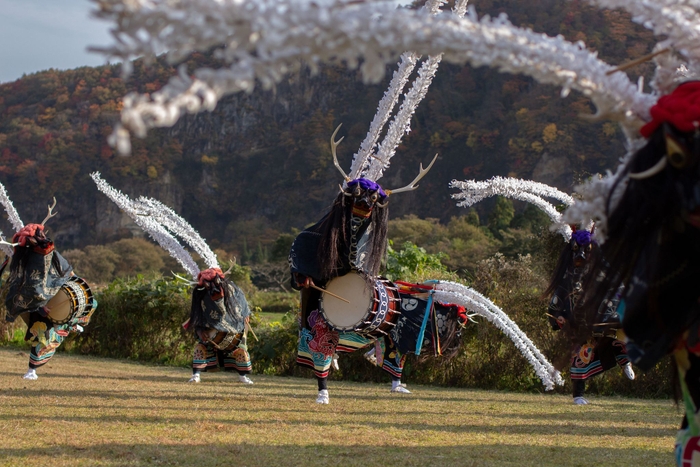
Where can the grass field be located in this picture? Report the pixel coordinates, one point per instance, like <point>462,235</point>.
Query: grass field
<point>88,411</point>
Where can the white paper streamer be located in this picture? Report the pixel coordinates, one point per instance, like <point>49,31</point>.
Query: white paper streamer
<point>263,40</point>
<point>401,124</point>
<point>373,166</point>
<point>524,190</point>
<point>452,292</point>
<point>12,214</point>
<point>408,61</point>
<point>180,227</point>
<point>139,214</point>
<point>678,20</point>
<point>361,159</point>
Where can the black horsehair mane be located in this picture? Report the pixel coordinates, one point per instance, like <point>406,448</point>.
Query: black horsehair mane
<point>335,236</point>
<point>648,209</point>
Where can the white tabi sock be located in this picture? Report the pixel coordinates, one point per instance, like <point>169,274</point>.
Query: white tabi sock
<point>396,386</point>
<point>322,397</point>
<point>244,379</point>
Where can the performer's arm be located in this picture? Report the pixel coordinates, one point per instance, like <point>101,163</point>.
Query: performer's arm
<point>300,281</point>
<point>555,313</point>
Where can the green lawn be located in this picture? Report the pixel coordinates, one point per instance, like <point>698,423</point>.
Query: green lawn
<point>89,411</point>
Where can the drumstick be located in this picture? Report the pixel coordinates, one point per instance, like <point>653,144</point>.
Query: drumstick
<point>329,293</point>
<point>251,331</point>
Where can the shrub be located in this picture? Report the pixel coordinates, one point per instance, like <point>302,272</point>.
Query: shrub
<point>140,319</point>
<point>411,261</point>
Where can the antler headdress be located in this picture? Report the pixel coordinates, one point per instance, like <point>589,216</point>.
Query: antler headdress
<point>17,223</point>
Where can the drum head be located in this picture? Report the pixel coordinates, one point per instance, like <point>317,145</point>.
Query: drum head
<point>60,306</point>
<point>353,288</point>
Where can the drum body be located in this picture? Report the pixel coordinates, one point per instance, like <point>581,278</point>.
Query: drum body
<point>373,309</point>
<point>73,304</point>
<point>223,340</point>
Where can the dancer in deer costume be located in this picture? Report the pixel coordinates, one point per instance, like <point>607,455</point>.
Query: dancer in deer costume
<point>351,240</point>
<point>591,354</point>
<point>352,236</point>
<point>602,350</point>
<point>42,289</point>
<point>219,313</point>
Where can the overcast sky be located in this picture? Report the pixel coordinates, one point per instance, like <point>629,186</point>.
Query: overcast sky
<point>36,35</point>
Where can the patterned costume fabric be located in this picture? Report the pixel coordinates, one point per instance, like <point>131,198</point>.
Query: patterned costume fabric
<point>43,274</point>
<point>206,357</point>
<point>223,308</point>
<point>44,339</point>
<point>318,341</point>
<point>595,357</point>
<point>687,358</point>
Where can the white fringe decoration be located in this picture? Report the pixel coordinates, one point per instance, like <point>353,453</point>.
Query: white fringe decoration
<point>523,190</point>
<point>361,159</point>
<point>264,40</point>
<point>12,214</point>
<point>180,227</point>
<point>678,20</point>
<point>401,124</point>
<point>452,292</point>
<point>139,213</point>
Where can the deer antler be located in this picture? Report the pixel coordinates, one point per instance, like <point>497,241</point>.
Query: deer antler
<point>51,213</point>
<point>189,282</point>
<point>412,186</point>
<point>228,271</point>
<point>334,145</point>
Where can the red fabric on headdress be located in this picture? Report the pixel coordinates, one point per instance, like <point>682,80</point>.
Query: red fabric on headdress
<point>462,314</point>
<point>27,231</point>
<point>209,275</point>
<point>681,109</point>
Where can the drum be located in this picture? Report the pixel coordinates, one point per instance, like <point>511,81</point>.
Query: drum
<point>72,304</point>
<point>223,340</point>
<point>373,309</point>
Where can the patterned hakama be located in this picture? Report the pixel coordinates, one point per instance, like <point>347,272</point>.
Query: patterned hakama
<point>44,342</point>
<point>591,359</point>
<point>206,357</point>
